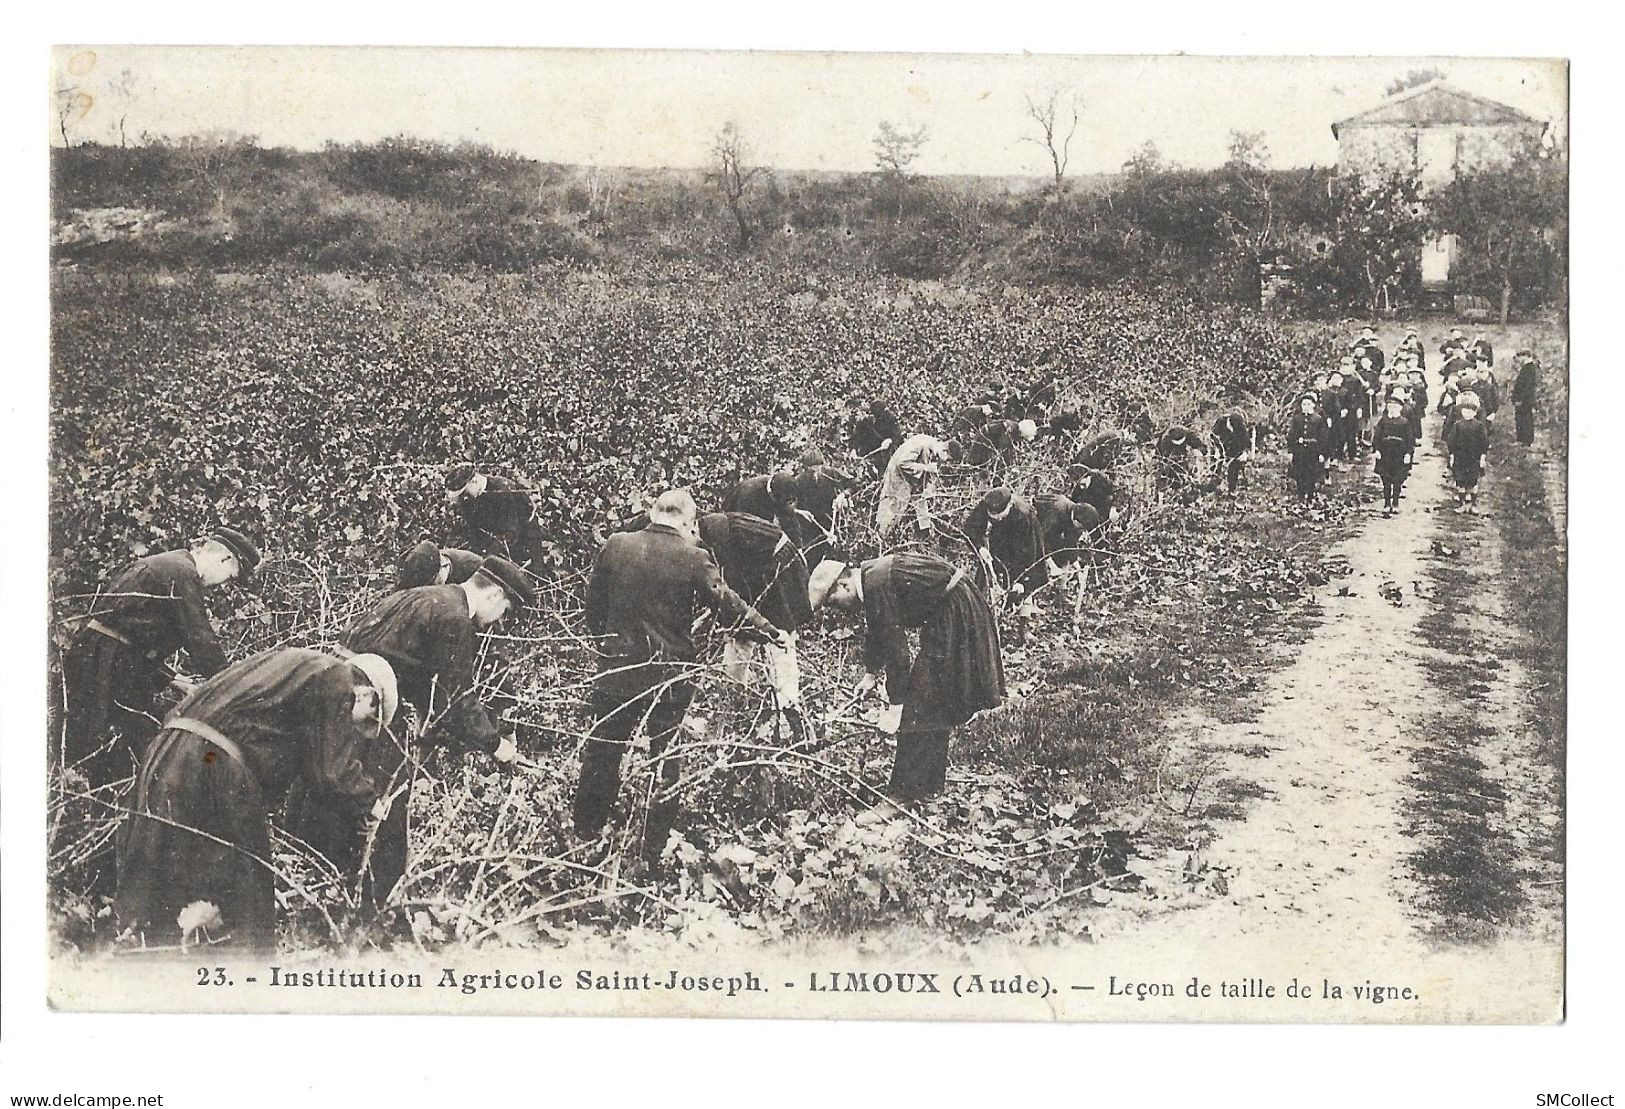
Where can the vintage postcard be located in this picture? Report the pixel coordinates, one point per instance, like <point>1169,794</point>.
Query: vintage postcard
<point>808,535</point>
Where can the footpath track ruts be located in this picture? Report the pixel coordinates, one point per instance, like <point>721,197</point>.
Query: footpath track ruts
<point>1331,770</point>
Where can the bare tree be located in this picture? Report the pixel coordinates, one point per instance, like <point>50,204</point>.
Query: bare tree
<point>1054,114</point>
<point>733,176</point>
<point>895,151</point>
<point>1146,162</point>
<point>72,104</point>
<point>1249,150</point>
<point>122,86</point>
<point>215,161</point>
<point>602,187</point>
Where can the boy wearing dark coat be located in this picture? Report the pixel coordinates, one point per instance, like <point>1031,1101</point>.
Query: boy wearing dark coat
<point>775,497</point>
<point>1173,458</point>
<point>1489,392</point>
<point>1236,439</point>
<point>874,436</point>
<point>1094,488</point>
<point>1334,406</point>
<point>429,636</point>
<point>821,492</point>
<point>761,565</point>
<point>1418,403</point>
<point>957,672</point>
<point>1307,437</point>
<point>1395,446</point>
<point>1072,535</point>
<point>1107,450</point>
<point>500,514</point>
<point>1357,390</point>
<point>1067,529</point>
<point>1468,443</point>
<point>1003,531</point>
<point>115,666</point>
<point>198,830</point>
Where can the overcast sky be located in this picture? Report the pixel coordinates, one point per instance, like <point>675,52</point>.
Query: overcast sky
<point>798,110</point>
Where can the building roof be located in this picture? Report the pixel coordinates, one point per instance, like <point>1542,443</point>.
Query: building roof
<point>1433,104</point>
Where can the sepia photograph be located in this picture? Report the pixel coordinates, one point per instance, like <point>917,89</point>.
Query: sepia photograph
<point>769,534</point>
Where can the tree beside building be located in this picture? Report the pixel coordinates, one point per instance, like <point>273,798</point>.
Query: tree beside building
<point>1438,134</point>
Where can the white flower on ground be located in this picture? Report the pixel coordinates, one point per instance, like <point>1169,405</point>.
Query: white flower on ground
<point>197,918</point>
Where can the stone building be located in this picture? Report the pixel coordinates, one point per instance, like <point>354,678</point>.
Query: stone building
<point>1436,131</point>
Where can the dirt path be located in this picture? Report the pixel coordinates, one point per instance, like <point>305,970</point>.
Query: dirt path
<point>1382,787</point>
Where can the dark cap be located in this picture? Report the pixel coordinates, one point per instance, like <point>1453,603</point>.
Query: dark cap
<point>515,582</point>
<point>460,475</point>
<point>419,566</point>
<point>248,555</point>
<point>783,488</point>
<point>812,459</point>
<point>996,500</point>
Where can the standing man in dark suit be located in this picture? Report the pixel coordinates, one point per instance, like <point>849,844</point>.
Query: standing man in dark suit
<point>1525,388</point>
<point>644,593</point>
